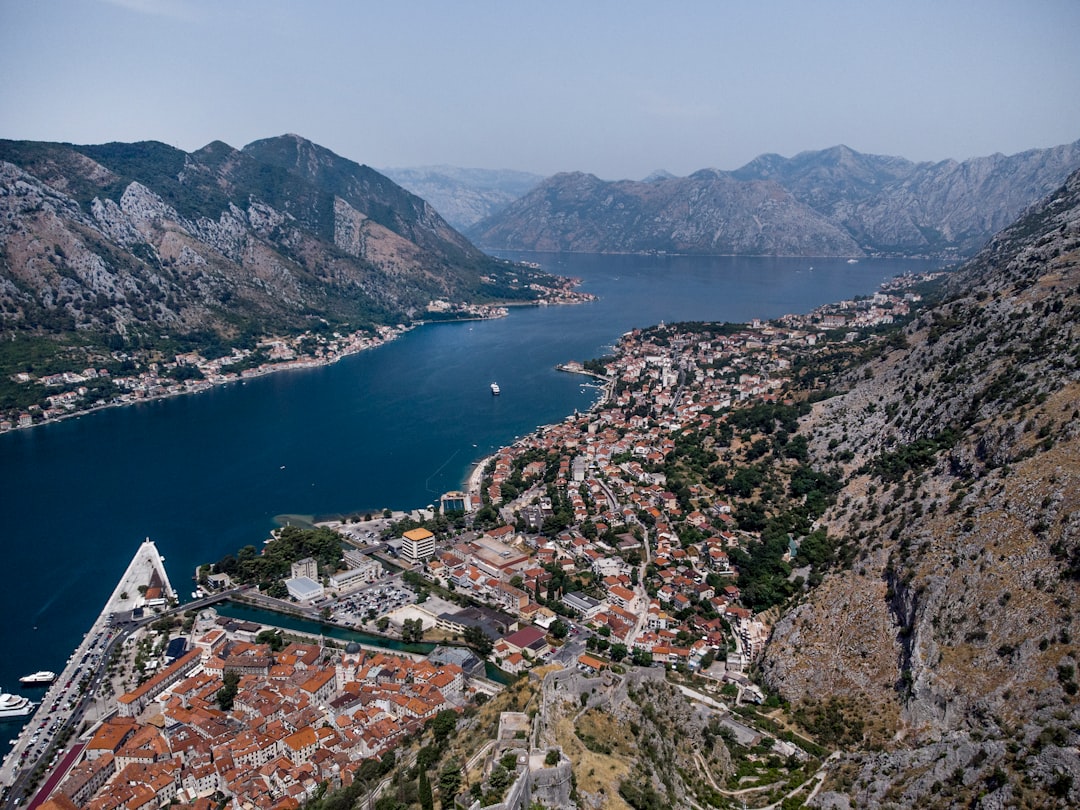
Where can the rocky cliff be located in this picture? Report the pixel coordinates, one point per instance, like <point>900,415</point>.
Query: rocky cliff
<point>141,239</point>
<point>824,203</point>
<point>948,648</point>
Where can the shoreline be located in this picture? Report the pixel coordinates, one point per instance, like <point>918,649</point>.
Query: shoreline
<point>146,561</point>
<point>297,364</point>
<point>473,483</point>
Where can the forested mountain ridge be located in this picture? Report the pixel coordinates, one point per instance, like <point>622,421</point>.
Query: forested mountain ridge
<point>833,202</point>
<point>944,657</point>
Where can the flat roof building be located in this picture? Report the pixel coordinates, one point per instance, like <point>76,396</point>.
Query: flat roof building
<point>583,604</point>
<point>304,588</point>
<point>417,545</point>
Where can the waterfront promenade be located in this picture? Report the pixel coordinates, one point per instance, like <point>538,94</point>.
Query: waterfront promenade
<point>143,584</point>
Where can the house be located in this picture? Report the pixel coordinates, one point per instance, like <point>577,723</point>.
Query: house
<point>529,641</point>
<point>589,664</point>
<point>514,663</point>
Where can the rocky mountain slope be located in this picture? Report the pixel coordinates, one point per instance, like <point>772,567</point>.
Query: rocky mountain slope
<point>831,202</point>
<point>708,212</point>
<point>139,239</point>
<point>947,650</point>
<point>465,196</point>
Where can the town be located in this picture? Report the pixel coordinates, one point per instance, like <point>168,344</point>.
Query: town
<point>654,531</point>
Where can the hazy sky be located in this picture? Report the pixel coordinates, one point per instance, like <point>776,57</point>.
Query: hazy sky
<point>613,88</point>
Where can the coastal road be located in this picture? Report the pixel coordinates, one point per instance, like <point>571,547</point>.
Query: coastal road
<point>59,772</point>
<point>72,704</point>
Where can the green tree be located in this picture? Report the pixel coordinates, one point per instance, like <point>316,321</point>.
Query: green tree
<point>412,631</point>
<point>227,693</point>
<point>559,629</point>
<point>449,782</point>
<point>499,778</point>
<point>478,640</point>
<point>424,795</point>
<point>443,724</point>
<point>271,637</point>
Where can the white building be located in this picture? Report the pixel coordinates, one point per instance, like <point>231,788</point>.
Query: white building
<point>304,589</point>
<point>417,545</point>
<point>369,572</point>
<point>306,567</point>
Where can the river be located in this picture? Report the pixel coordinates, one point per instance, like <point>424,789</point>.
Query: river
<point>395,427</point>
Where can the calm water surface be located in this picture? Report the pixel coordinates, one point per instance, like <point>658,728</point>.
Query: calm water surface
<point>394,427</point>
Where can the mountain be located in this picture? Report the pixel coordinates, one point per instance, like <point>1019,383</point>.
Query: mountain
<point>708,212</point>
<point>129,241</point>
<point>867,204</point>
<point>945,652</point>
<point>465,196</point>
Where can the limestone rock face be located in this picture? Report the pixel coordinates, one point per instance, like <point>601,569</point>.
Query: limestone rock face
<point>465,196</point>
<point>708,212</point>
<point>280,235</point>
<point>952,636</point>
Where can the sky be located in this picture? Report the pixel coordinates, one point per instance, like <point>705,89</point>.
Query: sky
<point>616,89</point>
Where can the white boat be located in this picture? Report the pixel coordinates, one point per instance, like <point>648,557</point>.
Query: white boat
<point>14,706</point>
<point>43,678</point>
<point>852,261</point>
<point>495,389</point>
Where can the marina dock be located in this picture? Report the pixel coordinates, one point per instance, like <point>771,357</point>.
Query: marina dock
<point>143,588</point>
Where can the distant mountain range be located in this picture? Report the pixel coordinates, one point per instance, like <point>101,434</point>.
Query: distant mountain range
<point>465,196</point>
<point>136,240</point>
<point>835,202</point>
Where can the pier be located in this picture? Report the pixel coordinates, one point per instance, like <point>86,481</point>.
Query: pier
<point>142,595</point>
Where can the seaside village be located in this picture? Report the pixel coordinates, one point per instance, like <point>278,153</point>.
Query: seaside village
<point>592,564</point>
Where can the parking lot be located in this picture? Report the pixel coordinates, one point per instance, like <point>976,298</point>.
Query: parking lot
<point>371,602</point>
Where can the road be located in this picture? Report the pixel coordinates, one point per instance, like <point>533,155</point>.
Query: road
<point>67,704</point>
<point>59,772</point>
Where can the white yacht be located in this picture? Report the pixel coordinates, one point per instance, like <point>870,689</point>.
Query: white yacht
<point>495,389</point>
<point>43,678</point>
<point>14,706</point>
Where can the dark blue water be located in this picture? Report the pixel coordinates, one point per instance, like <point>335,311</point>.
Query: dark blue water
<point>394,427</point>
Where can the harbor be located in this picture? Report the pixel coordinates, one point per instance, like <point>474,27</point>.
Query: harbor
<point>72,699</point>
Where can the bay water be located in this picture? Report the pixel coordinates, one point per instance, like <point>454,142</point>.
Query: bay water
<point>205,474</point>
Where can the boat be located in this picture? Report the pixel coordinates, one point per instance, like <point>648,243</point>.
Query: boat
<point>14,706</point>
<point>43,678</point>
<point>495,389</point>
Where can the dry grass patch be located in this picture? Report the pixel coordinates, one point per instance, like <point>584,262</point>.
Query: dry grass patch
<point>597,774</point>
<point>485,725</point>
<point>601,733</point>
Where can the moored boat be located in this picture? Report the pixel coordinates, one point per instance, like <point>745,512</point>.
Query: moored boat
<point>14,706</point>
<point>43,678</point>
